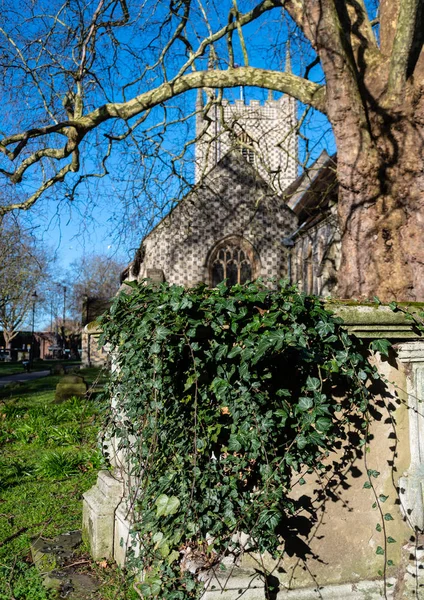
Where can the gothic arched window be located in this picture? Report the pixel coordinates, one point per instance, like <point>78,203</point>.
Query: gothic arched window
<point>244,145</point>
<point>234,260</point>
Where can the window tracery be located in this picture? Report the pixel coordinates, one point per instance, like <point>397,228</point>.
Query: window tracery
<point>234,260</point>
<point>244,145</point>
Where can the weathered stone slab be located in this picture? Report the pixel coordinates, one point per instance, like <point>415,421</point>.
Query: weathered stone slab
<point>99,506</point>
<point>239,584</point>
<point>50,554</point>
<point>71,585</point>
<point>123,538</point>
<point>52,558</point>
<point>379,321</point>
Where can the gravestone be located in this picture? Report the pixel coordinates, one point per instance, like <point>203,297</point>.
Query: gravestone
<point>69,386</point>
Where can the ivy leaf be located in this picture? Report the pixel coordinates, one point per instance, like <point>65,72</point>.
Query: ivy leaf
<point>164,550</point>
<point>150,587</point>
<point>317,438</point>
<point>154,348</point>
<point>378,527</point>
<point>190,585</point>
<point>324,328</point>
<point>270,517</point>
<point>391,540</point>
<point>301,441</point>
<point>334,366</point>
<point>162,333</point>
<point>261,349</point>
<point>235,351</point>
<point>379,550</point>
<point>166,505</point>
<point>372,473</point>
<point>323,424</point>
<point>173,557</point>
<point>234,444</point>
<point>157,539</point>
<point>383,346</point>
<point>305,403</point>
<point>388,517</point>
<point>382,498</point>
<point>277,338</point>
<point>313,384</point>
<point>367,485</point>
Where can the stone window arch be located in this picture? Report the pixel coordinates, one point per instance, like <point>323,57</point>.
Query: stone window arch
<point>233,259</point>
<point>244,144</point>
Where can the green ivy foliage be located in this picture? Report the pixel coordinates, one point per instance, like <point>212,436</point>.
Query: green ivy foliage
<point>221,397</point>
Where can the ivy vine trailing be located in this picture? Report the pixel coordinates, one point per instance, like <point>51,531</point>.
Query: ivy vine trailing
<point>222,399</point>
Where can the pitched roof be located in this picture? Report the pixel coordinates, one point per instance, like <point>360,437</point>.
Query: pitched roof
<point>309,196</point>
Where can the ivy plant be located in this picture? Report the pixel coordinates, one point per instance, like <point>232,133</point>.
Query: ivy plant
<point>221,396</point>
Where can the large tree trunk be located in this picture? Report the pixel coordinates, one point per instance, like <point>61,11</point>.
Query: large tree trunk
<point>375,103</point>
<point>381,207</point>
<point>8,337</point>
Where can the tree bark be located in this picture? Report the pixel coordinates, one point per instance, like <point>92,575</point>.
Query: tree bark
<point>381,206</point>
<point>375,103</point>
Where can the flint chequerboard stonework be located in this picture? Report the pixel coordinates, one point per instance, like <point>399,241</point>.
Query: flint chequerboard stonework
<point>248,215</point>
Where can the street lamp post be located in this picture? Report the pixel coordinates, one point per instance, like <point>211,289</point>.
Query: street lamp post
<point>63,320</point>
<point>85,322</point>
<point>31,354</point>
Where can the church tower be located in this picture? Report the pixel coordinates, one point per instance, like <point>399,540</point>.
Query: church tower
<point>265,134</point>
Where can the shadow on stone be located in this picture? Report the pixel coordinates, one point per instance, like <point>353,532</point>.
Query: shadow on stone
<point>53,558</point>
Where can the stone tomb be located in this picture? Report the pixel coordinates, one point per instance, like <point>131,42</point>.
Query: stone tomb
<point>336,555</point>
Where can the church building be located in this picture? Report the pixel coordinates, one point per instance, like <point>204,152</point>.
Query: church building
<point>249,214</point>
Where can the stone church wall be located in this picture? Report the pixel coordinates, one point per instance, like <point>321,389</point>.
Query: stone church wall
<point>315,258</point>
<point>231,201</point>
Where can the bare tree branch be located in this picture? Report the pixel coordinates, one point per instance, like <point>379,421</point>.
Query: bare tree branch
<point>409,12</point>
<point>306,91</point>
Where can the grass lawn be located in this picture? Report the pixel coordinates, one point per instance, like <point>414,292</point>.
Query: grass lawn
<point>48,458</point>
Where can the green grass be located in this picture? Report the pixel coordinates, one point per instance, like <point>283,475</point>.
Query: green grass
<point>48,458</point>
